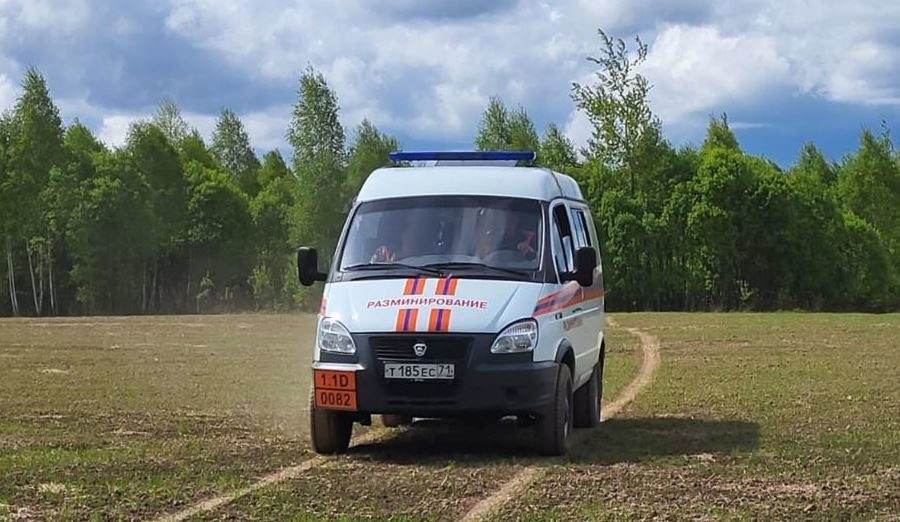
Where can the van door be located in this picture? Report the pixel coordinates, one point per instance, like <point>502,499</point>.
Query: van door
<point>590,326</point>
<point>567,300</point>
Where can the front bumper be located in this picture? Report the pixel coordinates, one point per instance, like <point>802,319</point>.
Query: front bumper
<point>484,383</point>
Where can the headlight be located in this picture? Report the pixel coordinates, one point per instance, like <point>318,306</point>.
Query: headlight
<point>517,338</point>
<point>334,337</point>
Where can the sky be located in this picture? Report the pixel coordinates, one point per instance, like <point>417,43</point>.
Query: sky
<point>785,71</point>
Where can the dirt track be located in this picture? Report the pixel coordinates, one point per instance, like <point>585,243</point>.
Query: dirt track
<point>486,506</point>
<point>526,477</point>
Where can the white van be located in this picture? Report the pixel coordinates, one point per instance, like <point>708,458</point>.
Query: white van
<point>470,288</point>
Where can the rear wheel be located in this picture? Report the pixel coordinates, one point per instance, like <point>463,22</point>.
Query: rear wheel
<point>555,424</point>
<point>393,420</point>
<point>330,430</point>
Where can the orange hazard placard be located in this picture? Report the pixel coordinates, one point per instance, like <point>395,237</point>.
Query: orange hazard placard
<point>335,399</point>
<point>335,390</point>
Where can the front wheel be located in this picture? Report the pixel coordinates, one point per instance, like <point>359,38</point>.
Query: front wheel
<point>588,398</point>
<point>554,425</point>
<point>330,430</point>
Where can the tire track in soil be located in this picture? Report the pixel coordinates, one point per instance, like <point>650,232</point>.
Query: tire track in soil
<point>529,475</point>
<point>486,506</point>
<point>281,475</point>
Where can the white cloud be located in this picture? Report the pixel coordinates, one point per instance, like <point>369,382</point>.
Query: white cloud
<point>204,123</point>
<point>7,93</point>
<point>268,127</point>
<point>45,14</point>
<point>841,51</point>
<point>114,128</point>
<point>578,129</point>
<point>425,77</point>
<point>426,70</point>
<point>697,69</point>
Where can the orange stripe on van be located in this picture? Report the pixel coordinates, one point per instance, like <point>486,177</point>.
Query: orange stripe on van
<point>446,286</point>
<point>569,295</point>
<point>414,286</point>
<point>439,320</point>
<point>406,320</point>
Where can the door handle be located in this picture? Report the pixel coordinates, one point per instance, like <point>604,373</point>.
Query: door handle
<point>577,310</point>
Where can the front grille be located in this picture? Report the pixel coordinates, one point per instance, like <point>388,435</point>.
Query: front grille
<point>400,348</point>
<point>441,348</point>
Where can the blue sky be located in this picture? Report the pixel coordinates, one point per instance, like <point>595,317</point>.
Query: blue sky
<point>786,71</point>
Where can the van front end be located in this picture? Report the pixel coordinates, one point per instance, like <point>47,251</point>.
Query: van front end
<point>456,376</point>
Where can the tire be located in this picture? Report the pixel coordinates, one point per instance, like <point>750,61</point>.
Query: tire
<point>393,420</point>
<point>554,426</point>
<point>587,400</point>
<point>329,430</point>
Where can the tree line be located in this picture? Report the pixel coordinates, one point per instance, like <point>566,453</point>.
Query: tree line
<point>167,223</point>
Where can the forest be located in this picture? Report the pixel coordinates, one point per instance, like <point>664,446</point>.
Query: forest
<point>168,223</point>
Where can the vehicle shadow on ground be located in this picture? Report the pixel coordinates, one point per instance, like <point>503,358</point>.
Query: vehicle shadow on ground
<point>647,438</point>
<point>615,441</point>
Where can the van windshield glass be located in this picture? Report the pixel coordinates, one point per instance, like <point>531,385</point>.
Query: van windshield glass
<point>449,232</point>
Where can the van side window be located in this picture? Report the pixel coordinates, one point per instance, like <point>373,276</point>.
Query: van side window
<point>582,231</point>
<point>563,242</point>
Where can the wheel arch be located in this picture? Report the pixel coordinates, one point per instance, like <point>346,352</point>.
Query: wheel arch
<point>565,354</point>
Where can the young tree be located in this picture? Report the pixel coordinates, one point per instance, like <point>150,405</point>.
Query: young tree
<point>157,164</point>
<point>35,147</point>
<point>625,131</point>
<point>219,232</point>
<point>7,210</point>
<point>719,135</point>
<point>193,149</point>
<point>869,187</point>
<point>817,267</point>
<point>169,120</point>
<point>60,198</point>
<point>317,138</point>
<point>494,131</point>
<point>270,211</point>
<point>273,168</point>
<point>231,146</point>
<point>369,152</point>
<point>108,239</point>
<point>522,135</point>
<point>556,151</point>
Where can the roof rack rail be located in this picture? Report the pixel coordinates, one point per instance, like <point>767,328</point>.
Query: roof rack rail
<point>466,157</point>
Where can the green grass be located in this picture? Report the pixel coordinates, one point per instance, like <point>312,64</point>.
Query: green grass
<point>129,417</point>
<point>751,416</point>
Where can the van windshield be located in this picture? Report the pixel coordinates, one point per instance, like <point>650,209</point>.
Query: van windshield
<point>497,236</point>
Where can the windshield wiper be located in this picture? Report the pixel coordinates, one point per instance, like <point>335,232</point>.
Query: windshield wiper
<point>463,265</point>
<point>392,266</point>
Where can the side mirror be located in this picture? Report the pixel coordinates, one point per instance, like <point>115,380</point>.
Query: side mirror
<point>308,266</point>
<point>585,263</point>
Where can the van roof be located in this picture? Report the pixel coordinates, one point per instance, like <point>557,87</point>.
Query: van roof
<point>518,182</point>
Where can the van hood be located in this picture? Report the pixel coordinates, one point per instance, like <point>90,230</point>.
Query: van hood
<point>429,304</point>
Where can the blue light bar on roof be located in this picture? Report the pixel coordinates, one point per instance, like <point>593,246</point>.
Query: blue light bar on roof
<point>469,155</point>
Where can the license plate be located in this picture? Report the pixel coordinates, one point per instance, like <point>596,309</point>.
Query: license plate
<point>419,371</point>
<point>335,390</point>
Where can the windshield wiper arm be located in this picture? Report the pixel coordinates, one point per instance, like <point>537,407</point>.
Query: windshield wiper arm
<point>391,266</point>
<point>461,264</point>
